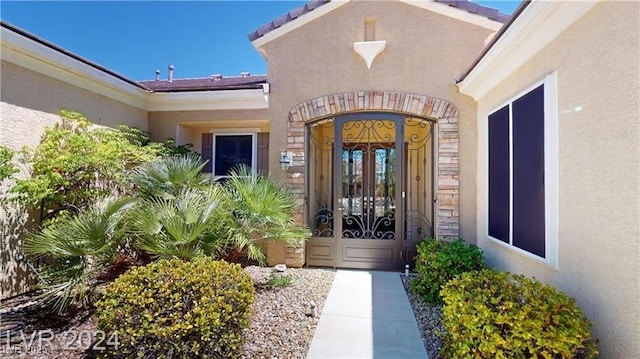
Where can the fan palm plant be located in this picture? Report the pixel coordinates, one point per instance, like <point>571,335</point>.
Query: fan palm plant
<point>168,175</point>
<point>261,208</point>
<point>75,249</point>
<point>185,225</point>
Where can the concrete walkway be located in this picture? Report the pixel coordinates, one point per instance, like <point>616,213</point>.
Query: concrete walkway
<point>367,315</point>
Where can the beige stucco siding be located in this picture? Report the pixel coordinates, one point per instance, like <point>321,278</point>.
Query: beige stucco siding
<point>31,101</point>
<point>188,126</point>
<point>425,52</point>
<point>598,75</point>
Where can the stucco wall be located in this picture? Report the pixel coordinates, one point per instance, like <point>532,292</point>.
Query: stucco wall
<point>598,75</point>
<point>32,100</point>
<point>188,126</point>
<point>425,52</point>
<point>29,103</point>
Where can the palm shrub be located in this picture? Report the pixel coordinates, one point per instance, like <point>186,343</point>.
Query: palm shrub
<point>490,314</point>
<point>186,225</point>
<point>437,262</point>
<point>75,249</point>
<point>178,309</point>
<point>169,175</point>
<point>260,208</point>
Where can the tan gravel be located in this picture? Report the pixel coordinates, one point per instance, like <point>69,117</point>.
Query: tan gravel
<point>281,327</point>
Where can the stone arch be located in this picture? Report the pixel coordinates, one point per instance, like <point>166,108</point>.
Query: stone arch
<point>438,110</point>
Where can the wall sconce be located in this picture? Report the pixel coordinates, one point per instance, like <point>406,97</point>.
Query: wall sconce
<point>285,160</point>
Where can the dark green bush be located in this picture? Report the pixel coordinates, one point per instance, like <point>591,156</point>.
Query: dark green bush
<point>489,314</point>
<point>438,262</point>
<point>178,309</point>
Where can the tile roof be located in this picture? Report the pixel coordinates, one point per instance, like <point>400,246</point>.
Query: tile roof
<point>488,12</point>
<point>288,17</point>
<point>212,83</point>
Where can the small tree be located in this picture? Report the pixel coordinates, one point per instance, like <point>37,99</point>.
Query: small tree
<point>77,162</point>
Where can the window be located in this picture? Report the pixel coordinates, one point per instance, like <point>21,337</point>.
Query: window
<point>232,149</point>
<point>522,172</point>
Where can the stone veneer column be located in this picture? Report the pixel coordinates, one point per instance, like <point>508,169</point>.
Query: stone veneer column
<point>441,111</point>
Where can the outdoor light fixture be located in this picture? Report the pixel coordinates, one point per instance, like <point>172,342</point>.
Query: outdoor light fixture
<point>285,160</point>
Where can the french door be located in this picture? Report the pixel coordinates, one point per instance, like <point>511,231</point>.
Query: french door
<point>370,188</point>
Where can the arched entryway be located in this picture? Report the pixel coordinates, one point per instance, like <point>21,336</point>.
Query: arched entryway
<point>377,172</point>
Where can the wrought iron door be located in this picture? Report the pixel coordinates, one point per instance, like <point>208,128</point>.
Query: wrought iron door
<point>370,189</point>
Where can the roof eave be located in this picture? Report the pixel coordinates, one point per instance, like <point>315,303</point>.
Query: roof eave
<point>317,8</point>
<point>248,99</point>
<point>534,25</point>
<point>259,39</point>
<point>68,53</point>
<point>200,89</point>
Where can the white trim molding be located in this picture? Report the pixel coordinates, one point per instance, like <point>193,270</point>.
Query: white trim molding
<point>39,58</point>
<point>537,26</point>
<point>551,172</point>
<point>209,100</point>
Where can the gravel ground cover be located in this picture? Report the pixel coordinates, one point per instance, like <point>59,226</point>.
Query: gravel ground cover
<point>282,324</point>
<point>429,318</point>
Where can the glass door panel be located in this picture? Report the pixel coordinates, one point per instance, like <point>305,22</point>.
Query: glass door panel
<point>368,181</point>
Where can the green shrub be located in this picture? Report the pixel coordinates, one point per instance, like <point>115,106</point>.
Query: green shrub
<point>77,162</point>
<point>7,169</point>
<point>489,314</point>
<point>279,280</point>
<point>438,262</point>
<point>178,309</point>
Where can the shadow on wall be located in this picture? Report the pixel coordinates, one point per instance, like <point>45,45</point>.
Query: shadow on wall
<point>16,277</point>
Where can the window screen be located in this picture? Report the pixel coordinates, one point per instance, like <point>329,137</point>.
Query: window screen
<point>528,172</point>
<point>230,151</point>
<point>499,186</point>
<point>516,181</point>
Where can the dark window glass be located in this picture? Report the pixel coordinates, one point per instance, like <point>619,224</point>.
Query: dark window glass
<point>232,150</point>
<point>528,172</point>
<point>499,174</point>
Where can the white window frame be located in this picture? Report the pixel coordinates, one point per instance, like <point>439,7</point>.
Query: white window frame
<point>551,180</point>
<point>235,132</point>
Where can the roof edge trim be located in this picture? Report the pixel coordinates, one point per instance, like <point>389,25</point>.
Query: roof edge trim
<point>68,53</point>
<point>452,11</point>
<point>534,25</point>
<point>250,99</point>
<point>296,22</point>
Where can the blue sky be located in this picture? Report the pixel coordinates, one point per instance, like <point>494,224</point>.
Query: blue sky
<point>136,38</point>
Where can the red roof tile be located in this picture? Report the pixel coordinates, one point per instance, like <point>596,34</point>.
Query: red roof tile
<point>490,13</point>
<point>211,83</point>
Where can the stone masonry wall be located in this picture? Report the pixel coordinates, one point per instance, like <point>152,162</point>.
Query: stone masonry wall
<point>441,111</point>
